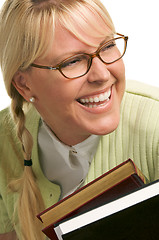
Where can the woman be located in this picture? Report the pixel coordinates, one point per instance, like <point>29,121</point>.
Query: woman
<point>63,69</point>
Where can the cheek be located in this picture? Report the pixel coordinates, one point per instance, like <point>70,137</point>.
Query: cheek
<point>118,70</point>
<point>52,89</point>
<point>43,84</point>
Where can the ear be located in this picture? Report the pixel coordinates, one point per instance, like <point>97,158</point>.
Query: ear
<point>20,83</point>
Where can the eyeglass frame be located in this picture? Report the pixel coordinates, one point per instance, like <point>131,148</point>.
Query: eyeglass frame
<point>91,56</point>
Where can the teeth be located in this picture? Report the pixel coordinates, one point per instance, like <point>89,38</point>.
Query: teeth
<point>102,97</point>
<point>94,105</point>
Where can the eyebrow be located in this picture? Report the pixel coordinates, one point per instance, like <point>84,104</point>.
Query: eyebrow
<point>107,38</point>
<point>58,59</point>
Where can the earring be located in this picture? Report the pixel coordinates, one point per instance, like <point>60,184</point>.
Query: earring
<point>32,99</point>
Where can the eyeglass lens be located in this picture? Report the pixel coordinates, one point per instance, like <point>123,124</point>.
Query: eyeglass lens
<point>78,65</point>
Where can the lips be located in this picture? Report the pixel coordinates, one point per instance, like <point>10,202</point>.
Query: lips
<point>97,100</point>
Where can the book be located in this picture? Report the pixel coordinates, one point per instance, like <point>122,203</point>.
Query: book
<point>134,216</point>
<point>120,180</point>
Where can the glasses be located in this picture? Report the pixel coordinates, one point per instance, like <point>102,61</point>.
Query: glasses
<point>79,65</point>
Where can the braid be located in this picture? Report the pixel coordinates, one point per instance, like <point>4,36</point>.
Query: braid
<point>30,201</point>
<point>19,118</point>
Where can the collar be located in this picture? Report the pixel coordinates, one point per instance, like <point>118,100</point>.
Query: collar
<point>64,165</point>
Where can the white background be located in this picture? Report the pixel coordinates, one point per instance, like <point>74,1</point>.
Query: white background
<point>139,20</point>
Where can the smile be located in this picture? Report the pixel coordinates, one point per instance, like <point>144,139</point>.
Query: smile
<point>97,101</point>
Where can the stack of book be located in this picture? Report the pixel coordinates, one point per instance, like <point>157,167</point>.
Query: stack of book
<point>98,209</point>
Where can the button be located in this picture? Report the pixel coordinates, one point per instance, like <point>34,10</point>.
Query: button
<point>51,195</point>
<point>73,151</point>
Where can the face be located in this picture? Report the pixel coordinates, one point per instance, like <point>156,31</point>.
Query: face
<point>62,102</point>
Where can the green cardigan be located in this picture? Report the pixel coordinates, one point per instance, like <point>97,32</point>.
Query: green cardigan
<point>137,137</point>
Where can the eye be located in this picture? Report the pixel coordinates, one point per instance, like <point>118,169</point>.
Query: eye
<point>108,46</point>
<point>72,61</point>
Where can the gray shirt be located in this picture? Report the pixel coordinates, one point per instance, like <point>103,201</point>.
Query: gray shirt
<point>64,165</point>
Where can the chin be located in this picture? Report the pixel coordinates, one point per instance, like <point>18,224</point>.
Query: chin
<point>106,127</point>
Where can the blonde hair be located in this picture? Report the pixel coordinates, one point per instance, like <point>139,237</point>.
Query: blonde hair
<point>24,26</point>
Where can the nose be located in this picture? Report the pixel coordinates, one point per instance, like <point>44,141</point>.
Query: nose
<point>98,71</point>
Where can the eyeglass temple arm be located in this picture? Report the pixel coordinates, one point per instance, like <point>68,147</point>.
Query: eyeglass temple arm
<point>126,37</point>
<point>44,67</point>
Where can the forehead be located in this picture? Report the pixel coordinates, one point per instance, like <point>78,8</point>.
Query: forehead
<point>70,36</point>
<point>63,37</point>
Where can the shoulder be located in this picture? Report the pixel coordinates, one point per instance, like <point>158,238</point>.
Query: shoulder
<point>6,122</point>
<point>140,112</point>
<point>143,90</point>
<point>141,102</point>
<point>141,99</point>
<point>9,141</point>
<point>3,114</point>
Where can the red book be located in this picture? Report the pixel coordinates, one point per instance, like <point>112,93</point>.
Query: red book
<point>120,180</point>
